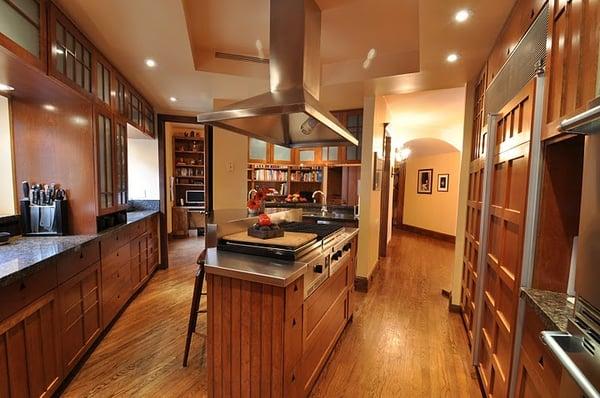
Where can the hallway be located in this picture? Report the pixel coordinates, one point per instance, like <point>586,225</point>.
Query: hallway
<point>403,341</point>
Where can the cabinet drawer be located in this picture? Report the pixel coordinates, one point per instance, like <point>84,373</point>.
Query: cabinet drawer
<point>546,366</point>
<point>114,240</point>
<point>318,345</point>
<point>294,296</point>
<point>27,289</point>
<point>320,301</point>
<point>293,340</point>
<point>77,260</point>
<point>136,229</point>
<point>116,289</point>
<point>116,260</point>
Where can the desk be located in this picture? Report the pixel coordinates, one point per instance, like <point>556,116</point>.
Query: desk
<point>185,218</point>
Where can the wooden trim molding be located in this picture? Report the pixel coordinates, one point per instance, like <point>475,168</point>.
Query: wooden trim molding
<point>362,283</point>
<point>428,233</point>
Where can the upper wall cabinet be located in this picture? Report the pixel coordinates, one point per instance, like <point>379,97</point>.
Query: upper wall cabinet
<point>71,53</point>
<point>258,151</point>
<point>148,116</point>
<point>103,81</point>
<point>353,121</point>
<point>121,97</point>
<point>572,60</point>
<point>23,30</point>
<point>520,19</point>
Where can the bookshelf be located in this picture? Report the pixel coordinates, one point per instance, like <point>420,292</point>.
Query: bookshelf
<point>189,168</point>
<point>285,179</point>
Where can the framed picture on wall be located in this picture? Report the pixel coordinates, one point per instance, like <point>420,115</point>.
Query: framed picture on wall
<point>425,181</point>
<point>443,182</point>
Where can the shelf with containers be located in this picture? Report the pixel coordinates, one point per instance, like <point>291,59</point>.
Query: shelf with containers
<point>189,168</point>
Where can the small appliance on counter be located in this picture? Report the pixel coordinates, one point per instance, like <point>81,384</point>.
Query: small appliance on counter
<point>43,210</point>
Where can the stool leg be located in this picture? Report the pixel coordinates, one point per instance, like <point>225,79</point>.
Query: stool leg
<point>193,314</point>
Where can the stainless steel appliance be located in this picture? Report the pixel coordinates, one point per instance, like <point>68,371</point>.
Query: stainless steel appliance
<point>579,349</point>
<point>194,197</point>
<point>290,114</point>
<point>323,256</point>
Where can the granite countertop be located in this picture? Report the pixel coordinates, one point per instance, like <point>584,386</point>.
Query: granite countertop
<point>258,268</point>
<point>330,216</point>
<point>304,205</point>
<point>552,307</point>
<point>23,255</point>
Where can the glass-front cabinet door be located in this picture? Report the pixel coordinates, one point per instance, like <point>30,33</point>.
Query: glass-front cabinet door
<point>104,145</point>
<point>23,29</point>
<point>354,122</point>
<point>258,151</point>
<point>281,154</point>
<point>121,162</point>
<point>103,82</point>
<point>71,58</point>
<point>331,154</point>
<point>309,155</point>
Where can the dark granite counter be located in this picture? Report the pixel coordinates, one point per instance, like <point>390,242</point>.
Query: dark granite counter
<point>552,307</point>
<point>306,205</point>
<point>23,255</point>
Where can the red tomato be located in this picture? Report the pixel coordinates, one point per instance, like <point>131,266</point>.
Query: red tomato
<point>264,220</point>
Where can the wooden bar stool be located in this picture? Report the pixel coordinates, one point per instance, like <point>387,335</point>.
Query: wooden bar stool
<point>195,307</point>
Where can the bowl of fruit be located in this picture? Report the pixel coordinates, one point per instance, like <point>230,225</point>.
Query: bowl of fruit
<point>264,228</point>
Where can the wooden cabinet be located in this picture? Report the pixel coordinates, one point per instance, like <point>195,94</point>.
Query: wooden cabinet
<point>148,114</point>
<point>121,97</point>
<point>352,119</point>
<point>281,154</point>
<point>332,154</point>
<point>143,257</point>
<point>268,340</point>
<point>29,350</point>
<point>539,373</point>
<point>120,163</point>
<point>258,151</point>
<point>308,156</point>
<point>116,281</point>
<point>571,60</point>
<point>80,314</point>
<point>71,53</point>
<point>503,259</point>
<point>105,162</point>
<point>23,30</point>
<point>103,81</point>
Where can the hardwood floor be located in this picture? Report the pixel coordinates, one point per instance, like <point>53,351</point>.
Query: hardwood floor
<point>141,355</point>
<point>403,341</point>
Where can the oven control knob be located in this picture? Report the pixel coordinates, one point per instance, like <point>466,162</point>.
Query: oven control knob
<point>318,268</point>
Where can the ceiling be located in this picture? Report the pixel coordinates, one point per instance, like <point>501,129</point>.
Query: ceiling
<point>428,147</point>
<point>412,39</point>
<point>437,114</point>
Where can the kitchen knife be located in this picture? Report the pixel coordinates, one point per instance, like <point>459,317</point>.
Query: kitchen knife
<point>25,190</point>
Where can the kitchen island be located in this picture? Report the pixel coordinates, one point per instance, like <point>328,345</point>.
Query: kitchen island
<point>272,323</point>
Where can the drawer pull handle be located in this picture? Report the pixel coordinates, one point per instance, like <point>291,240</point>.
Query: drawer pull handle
<point>541,361</point>
<point>295,288</point>
<point>81,255</point>
<point>294,322</point>
<point>293,377</point>
<point>22,286</point>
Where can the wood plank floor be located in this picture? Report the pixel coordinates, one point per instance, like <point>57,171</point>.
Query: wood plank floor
<point>403,341</point>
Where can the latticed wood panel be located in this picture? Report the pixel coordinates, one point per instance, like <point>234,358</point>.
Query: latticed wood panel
<point>508,200</point>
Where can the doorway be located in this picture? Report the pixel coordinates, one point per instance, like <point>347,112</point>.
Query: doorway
<point>185,178</point>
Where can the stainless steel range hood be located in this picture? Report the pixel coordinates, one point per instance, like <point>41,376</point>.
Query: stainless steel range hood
<point>290,114</point>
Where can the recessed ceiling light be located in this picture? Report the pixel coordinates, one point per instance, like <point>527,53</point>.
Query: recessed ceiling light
<point>452,57</point>
<point>150,63</point>
<point>462,15</point>
<point>49,107</point>
<point>173,99</point>
<point>370,57</point>
<point>6,87</point>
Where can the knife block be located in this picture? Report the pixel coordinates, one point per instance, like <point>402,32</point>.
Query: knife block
<point>49,220</point>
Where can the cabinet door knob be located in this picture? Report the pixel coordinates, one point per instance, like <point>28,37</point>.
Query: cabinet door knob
<point>295,287</point>
<point>294,322</point>
<point>22,286</point>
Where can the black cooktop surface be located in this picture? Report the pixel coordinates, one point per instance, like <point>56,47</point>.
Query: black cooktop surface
<point>321,230</point>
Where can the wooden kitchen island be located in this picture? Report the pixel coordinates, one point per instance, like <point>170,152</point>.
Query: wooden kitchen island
<point>265,338</point>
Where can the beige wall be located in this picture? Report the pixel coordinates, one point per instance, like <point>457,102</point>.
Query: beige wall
<point>438,211</point>
<point>230,160</point>
<point>375,114</point>
<point>7,195</point>
<point>142,166</point>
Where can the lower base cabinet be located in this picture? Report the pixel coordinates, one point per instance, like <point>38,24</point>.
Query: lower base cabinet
<point>80,315</point>
<point>539,372</point>
<point>266,340</point>
<point>50,318</point>
<point>30,350</point>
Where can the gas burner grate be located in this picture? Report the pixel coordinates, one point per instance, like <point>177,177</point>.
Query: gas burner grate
<point>321,230</point>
